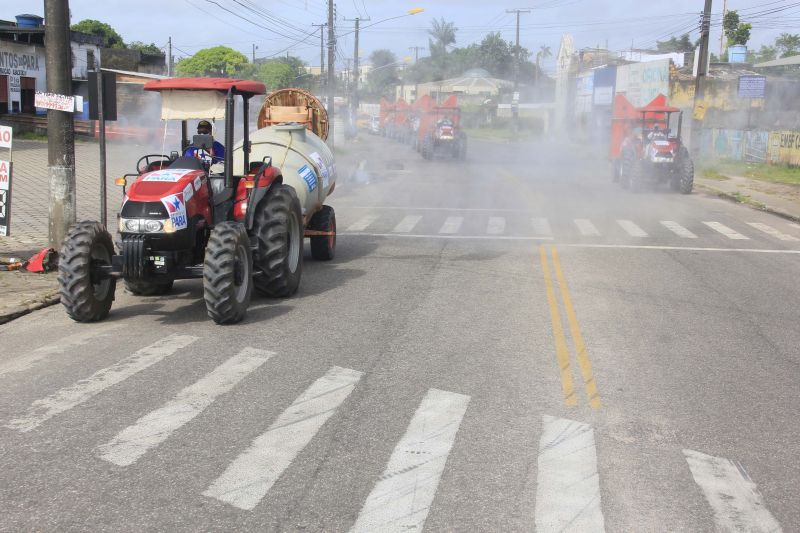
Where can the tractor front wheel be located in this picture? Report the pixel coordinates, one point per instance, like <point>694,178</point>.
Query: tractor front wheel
<point>86,296</point>
<point>323,247</point>
<point>228,273</point>
<point>278,227</point>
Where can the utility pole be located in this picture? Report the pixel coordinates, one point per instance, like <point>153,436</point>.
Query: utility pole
<point>416,58</point>
<point>331,71</point>
<point>169,56</point>
<point>60,125</point>
<point>516,67</point>
<point>702,70</point>
<point>354,97</point>
<point>321,48</point>
<point>722,35</point>
<point>254,53</point>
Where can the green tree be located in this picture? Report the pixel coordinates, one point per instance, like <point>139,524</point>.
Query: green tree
<point>736,31</point>
<point>443,34</point>
<point>383,76</point>
<point>275,74</point>
<point>216,61</point>
<point>788,44</point>
<point>111,39</point>
<point>149,49</point>
<point>543,53</point>
<point>674,44</point>
<point>496,55</point>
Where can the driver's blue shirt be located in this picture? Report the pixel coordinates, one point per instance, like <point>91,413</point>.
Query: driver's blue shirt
<point>217,154</point>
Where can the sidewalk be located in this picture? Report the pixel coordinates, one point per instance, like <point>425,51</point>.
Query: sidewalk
<point>777,198</point>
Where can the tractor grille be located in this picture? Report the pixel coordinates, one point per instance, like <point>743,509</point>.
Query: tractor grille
<point>133,209</point>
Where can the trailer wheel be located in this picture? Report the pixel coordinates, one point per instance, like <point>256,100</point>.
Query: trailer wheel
<point>278,227</point>
<point>148,288</point>
<point>686,173</point>
<point>86,298</point>
<point>616,170</point>
<point>228,273</point>
<point>323,248</point>
<point>427,148</point>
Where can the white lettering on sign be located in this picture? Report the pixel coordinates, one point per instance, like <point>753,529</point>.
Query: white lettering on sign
<point>21,61</point>
<point>58,102</point>
<point>14,83</point>
<point>6,136</point>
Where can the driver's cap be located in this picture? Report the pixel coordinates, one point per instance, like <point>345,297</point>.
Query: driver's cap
<point>205,123</point>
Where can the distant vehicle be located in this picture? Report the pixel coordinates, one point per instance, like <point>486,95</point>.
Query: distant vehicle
<point>646,146</point>
<point>440,129</point>
<point>375,125</point>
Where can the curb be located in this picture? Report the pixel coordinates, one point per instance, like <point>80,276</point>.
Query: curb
<point>766,209</point>
<point>50,298</point>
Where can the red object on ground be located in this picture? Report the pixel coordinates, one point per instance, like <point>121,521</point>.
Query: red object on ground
<point>206,84</point>
<point>43,261</point>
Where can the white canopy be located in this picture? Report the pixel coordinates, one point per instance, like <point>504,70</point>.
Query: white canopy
<point>186,105</point>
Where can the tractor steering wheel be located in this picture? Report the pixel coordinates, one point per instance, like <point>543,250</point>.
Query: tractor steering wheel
<point>151,162</point>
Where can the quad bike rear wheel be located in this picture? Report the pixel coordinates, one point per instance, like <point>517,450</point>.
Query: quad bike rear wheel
<point>323,247</point>
<point>228,273</point>
<point>278,227</point>
<point>85,296</point>
<point>148,288</point>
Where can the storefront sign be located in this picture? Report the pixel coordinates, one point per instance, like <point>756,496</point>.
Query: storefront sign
<point>5,197</point>
<point>58,102</point>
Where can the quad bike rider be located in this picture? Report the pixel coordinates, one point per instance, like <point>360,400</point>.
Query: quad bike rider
<point>239,229</point>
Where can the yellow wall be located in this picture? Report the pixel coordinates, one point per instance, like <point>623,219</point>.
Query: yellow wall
<point>784,147</point>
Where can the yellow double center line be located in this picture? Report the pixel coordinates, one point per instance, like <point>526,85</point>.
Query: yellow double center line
<point>562,352</point>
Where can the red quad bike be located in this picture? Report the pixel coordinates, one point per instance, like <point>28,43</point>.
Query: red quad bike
<point>179,220</point>
<point>652,150</point>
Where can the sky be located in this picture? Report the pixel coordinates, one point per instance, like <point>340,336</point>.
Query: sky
<point>276,27</point>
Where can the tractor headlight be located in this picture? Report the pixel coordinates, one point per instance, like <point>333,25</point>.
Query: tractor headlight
<point>145,225</point>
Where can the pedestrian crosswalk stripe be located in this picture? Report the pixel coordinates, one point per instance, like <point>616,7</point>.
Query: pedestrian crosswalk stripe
<point>632,229</point>
<point>734,497</point>
<point>725,230</point>
<point>772,232</point>
<point>65,399</point>
<point>250,476</point>
<point>586,227</point>
<point>677,229</point>
<point>795,225</point>
<point>363,223</point>
<point>568,484</point>
<point>156,427</point>
<point>407,224</point>
<point>64,344</point>
<point>402,497</point>
<point>541,226</point>
<point>496,225</point>
<point>452,225</point>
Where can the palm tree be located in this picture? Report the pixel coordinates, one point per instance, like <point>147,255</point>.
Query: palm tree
<point>443,33</point>
<point>543,53</point>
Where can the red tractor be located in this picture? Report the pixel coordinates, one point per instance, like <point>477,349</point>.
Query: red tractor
<point>238,228</point>
<point>647,146</point>
<point>440,130</point>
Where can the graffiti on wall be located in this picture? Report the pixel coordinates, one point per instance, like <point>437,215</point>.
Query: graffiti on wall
<point>784,147</point>
<point>737,145</point>
<point>641,82</point>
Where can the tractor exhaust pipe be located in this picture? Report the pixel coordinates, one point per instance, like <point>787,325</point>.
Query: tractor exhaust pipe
<point>229,122</point>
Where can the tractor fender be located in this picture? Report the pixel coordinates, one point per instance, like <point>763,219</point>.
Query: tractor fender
<point>265,184</point>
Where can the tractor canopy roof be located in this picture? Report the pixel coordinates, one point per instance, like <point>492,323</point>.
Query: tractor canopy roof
<point>658,109</point>
<point>199,98</point>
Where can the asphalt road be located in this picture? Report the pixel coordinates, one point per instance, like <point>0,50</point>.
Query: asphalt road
<point>507,344</point>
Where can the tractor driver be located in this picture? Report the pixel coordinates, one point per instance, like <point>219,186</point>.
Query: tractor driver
<point>217,154</point>
<point>657,133</point>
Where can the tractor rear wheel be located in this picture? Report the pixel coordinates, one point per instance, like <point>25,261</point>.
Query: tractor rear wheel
<point>278,227</point>
<point>686,174</point>
<point>616,170</point>
<point>148,288</point>
<point>427,148</point>
<point>323,247</point>
<point>228,273</point>
<point>85,297</point>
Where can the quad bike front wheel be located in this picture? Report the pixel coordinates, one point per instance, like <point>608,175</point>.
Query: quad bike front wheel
<point>228,273</point>
<point>278,227</point>
<point>84,294</point>
<point>323,247</point>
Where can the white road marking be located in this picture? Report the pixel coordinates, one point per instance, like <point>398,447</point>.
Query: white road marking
<point>402,497</point>
<point>541,226</point>
<point>363,223</point>
<point>631,228</point>
<point>586,227</point>
<point>156,427</point>
<point>440,236</point>
<point>725,230</point>
<point>794,225</point>
<point>452,225</point>
<point>453,209</point>
<point>568,489</point>
<point>496,226</point>
<point>407,224</point>
<point>68,343</point>
<point>678,230</point>
<point>734,497</point>
<point>772,232</point>
<point>250,476</point>
<point>85,389</point>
